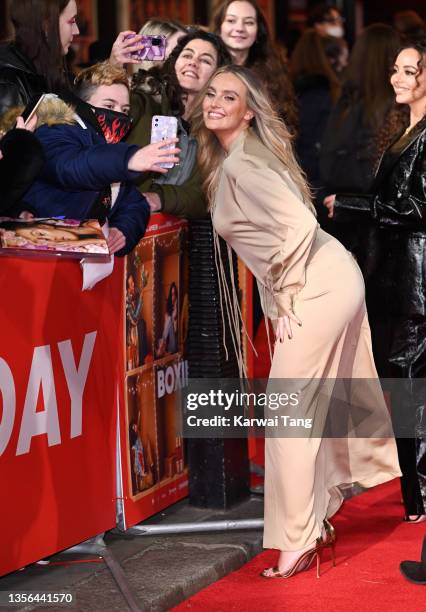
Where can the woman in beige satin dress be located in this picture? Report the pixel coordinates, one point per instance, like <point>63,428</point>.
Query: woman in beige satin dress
<point>313,292</point>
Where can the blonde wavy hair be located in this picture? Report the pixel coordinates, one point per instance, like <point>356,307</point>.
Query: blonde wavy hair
<point>267,125</point>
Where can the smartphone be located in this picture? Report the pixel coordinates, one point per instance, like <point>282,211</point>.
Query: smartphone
<point>162,128</point>
<point>153,51</point>
<point>31,108</point>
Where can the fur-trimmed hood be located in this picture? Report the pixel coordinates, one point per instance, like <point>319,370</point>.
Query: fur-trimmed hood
<point>8,119</point>
<point>52,111</point>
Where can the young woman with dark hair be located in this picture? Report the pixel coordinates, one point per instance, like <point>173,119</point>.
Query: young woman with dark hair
<point>244,30</point>
<point>33,63</point>
<point>364,121</point>
<point>395,270</point>
<point>317,88</point>
<point>171,90</point>
<point>361,126</point>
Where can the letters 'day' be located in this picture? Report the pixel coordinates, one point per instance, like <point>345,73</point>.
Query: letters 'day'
<point>58,363</point>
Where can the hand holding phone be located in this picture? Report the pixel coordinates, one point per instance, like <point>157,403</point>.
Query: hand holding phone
<point>30,126</point>
<point>154,48</point>
<point>126,43</point>
<point>153,157</point>
<point>164,128</point>
<point>30,111</point>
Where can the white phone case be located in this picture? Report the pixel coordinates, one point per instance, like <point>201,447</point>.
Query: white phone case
<point>163,128</point>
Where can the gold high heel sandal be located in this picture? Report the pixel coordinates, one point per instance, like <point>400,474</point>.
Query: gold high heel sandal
<point>301,564</point>
<point>329,539</point>
<point>304,562</point>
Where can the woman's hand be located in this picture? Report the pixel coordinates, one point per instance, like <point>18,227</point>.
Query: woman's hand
<point>148,158</point>
<point>116,240</point>
<point>283,328</point>
<point>153,200</point>
<point>284,324</point>
<point>31,125</point>
<point>329,204</point>
<point>123,46</point>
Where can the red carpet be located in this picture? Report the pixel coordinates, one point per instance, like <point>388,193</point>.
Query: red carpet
<point>371,542</point>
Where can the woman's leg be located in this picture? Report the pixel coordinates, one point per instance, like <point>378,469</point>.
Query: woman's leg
<point>302,472</point>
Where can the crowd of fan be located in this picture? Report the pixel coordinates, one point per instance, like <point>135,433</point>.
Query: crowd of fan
<point>86,153</point>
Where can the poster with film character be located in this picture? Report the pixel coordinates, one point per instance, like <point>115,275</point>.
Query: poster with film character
<point>155,327</point>
<point>167,295</point>
<point>142,444</point>
<point>170,376</point>
<point>139,335</point>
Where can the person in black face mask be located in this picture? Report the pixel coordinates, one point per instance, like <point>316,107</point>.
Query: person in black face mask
<point>89,172</point>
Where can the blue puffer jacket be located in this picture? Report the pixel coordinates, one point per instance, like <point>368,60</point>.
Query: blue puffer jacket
<point>79,165</point>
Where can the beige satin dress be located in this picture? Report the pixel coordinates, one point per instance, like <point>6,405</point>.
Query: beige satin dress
<point>259,212</point>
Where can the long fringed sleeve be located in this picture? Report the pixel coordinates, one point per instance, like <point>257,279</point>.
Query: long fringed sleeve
<point>286,227</point>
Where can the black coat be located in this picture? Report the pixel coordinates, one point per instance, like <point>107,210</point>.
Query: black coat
<point>21,162</point>
<point>315,103</point>
<point>395,263</point>
<point>347,149</point>
<point>346,163</point>
<point>19,81</point>
<point>21,85</point>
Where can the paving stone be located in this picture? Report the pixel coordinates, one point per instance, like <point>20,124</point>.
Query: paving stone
<point>161,571</point>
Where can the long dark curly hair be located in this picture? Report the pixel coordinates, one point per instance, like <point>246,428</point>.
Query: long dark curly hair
<point>163,80</point>
<point>419,45</point>
<point>266,62</point>
<point>398,118</point>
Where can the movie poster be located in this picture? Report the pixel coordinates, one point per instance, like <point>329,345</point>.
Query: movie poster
<point>155,329</point>
<point>142,451</point>
<point>139,306</point>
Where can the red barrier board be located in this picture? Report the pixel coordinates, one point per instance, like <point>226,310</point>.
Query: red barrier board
<point>58,368</point>
<point>154,329</point>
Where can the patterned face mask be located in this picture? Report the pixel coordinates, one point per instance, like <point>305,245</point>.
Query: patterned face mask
<point>114,125</point>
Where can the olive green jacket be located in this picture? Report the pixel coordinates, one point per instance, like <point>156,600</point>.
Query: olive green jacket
<point>183,200</point>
